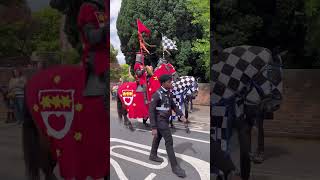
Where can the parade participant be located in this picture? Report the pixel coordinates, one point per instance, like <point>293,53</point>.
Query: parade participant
<point>164,67</point>
<point>141,76</point>
<point>160,110</point>
<point>94,30</point>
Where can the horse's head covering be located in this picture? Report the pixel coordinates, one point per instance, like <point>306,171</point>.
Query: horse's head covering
<point>162,61</point>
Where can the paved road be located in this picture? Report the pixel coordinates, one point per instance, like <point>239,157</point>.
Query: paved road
<point>286,159</point>
<point>11,157</point>
<point>130,151</point>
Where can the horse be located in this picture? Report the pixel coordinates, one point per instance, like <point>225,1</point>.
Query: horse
<point>241,76</point>
<point>55,123</point>
<point>8,100</point>
<point>182,87</point>
<point>191,96</point>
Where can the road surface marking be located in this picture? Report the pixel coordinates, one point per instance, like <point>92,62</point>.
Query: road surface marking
<point>150,177</point>
<point>148,165</point>
<point>202,167</point>
<point>181,137</point>
<point>194,128</point>
<point>118,170</point>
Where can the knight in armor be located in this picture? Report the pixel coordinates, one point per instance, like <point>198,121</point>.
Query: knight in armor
<point>163,63</point>
<point>93,26</point>
<point>160,110</point>
<point>141,76</point>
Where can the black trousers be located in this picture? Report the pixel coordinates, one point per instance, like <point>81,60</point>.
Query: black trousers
<point>260,134</point>
<point>244,135</point>
<point>167,136</point>
<point>219,159</point>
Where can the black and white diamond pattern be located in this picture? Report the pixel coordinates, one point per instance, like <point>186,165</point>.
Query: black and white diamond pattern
<point>185,85</point>
<point>168,43</point>
<point>233,72</point>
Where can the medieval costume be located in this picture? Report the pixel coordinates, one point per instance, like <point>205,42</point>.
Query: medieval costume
<point>94,28</point>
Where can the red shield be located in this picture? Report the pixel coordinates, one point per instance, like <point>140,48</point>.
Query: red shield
<point>127,96</point>
<point>77,127</point>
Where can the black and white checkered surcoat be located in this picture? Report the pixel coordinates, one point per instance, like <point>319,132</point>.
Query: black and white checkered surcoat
<point>240,75</point>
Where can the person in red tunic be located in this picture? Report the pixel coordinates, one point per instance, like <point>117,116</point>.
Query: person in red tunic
<point>141,76</point>
<point>93,26</point>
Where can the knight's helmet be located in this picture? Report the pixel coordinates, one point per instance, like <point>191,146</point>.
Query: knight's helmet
<point>140,58</point>
<point>162,61</point>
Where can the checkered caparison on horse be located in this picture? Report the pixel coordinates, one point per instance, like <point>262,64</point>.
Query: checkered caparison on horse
<point>242,75</point>
<point>182,87</point>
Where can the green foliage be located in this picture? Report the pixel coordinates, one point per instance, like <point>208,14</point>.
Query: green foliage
<point>71,56</point>
<point>124,73</point>
<point>41,33</point>
<point>47,35</point>
<point>286,24</point>
<point>121,72</point>
<point>312,10</point>
<point>201,13</point>
<point>15,39</point>
<point>172,19</point>
<point>233,27</point>
<point>113,54</point>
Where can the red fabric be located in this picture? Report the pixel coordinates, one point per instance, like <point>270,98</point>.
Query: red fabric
<point>142,79</point>
<point>133,101</point>
<point>142,28</point>
<point>78,159</point>
<point>154,83</point>
<point>164,69</point>
<point>88,15</point>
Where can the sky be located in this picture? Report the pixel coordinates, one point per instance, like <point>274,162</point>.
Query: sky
<point>114,38</point>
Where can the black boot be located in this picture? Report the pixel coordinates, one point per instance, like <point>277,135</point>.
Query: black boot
<point>155,158</point>
<point>179,172</point>
<point>145,123</point>
<point>258,158</point>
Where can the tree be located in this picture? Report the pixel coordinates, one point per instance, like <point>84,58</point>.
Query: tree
<point>47,36</point>
<point>15,39</point>
<point>201,13</point>
<point>231,26</point>
<point>113,55</point>
<point>272,24</point>
<point>312,10</point>
<point>172,18</point>
<point>16,28</point>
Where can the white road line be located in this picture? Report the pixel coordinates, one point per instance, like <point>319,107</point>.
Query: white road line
<point>181,137</point>
<point>118,169</point>
<point>148,165</point>
<point>150,177</point>
<point>202,167</point>
<point>192,129</point>
<point>196,129</point>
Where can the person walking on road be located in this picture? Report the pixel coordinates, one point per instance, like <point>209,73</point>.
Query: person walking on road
<point>160,110</point>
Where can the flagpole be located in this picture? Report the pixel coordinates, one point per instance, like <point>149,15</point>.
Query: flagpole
<point>162,53</point>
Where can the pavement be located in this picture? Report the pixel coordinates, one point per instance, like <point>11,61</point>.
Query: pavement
<point>130,149</point>
<point>285,159</point>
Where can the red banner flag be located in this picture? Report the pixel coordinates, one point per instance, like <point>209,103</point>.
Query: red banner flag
<point>142,28</point>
